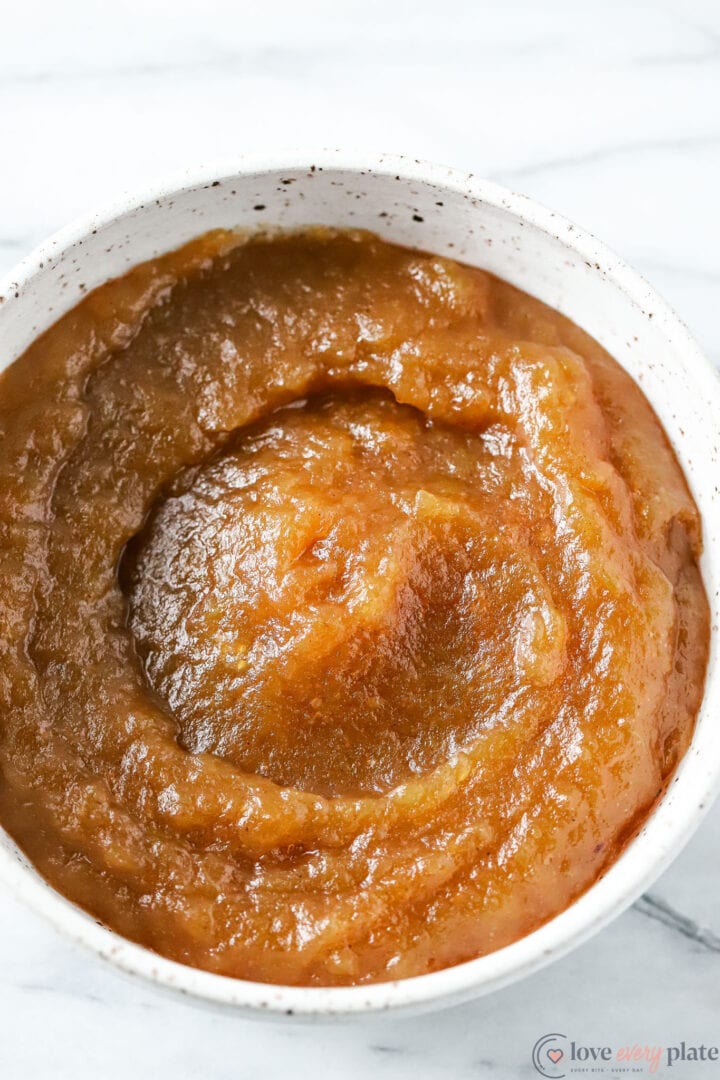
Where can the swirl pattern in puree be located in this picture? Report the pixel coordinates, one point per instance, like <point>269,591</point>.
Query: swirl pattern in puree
<point>351,618</point>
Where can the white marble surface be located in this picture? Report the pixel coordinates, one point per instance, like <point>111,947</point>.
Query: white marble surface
<point>610,114</point>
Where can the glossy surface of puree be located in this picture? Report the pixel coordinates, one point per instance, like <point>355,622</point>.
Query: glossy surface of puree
<point>350,618</point>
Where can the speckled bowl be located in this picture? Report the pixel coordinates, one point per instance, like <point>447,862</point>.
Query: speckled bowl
<point>464,217</point>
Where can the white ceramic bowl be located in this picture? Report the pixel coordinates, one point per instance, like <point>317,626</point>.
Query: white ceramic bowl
<point>466,218</point>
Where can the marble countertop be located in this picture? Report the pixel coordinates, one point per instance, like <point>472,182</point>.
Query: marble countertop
<point>609,113</point>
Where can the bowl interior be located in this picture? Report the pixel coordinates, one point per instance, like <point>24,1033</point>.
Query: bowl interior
<point>450,214</point>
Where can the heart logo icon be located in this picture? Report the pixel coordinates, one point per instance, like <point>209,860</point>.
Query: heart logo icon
<point>555,1055</point>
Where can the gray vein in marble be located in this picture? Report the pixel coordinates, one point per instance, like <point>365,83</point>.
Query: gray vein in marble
<point>654,907</point>
<point>705,275</point>
<point>273,60</point>
<point>603,153</point>
<point>14,241</point>
<point>710,51</point>
<point>46,988</point>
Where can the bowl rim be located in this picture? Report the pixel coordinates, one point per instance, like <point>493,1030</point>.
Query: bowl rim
<point>623,882</point>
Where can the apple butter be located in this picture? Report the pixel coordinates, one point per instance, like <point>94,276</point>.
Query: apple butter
<point>351,620</point>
